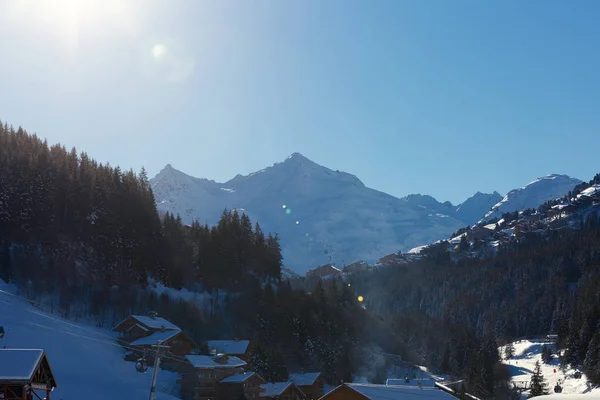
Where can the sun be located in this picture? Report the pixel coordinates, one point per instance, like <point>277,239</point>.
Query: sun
<point>159,51</point>
<point>63,21</point>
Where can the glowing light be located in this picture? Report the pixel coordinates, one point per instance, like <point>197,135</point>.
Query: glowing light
<point>297,222</point>
<point>360,299</point>
<point>283,206</point>
<point>348,285</point>
<point>159,51</point>
<point>288,211</point>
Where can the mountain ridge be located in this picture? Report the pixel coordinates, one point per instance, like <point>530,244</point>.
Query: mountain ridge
<point>321,215</point>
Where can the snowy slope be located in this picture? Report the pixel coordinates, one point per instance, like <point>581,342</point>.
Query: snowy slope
<point>522,365</point>
<point>322,216</point>
<point>534,194</point>
<point>86,361</point>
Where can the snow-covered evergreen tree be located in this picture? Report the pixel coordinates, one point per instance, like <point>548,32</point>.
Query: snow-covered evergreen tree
<point>538,382</point>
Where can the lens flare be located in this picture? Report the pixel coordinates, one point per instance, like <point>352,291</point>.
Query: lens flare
<point>283,206</point>
<point>288,211</point>
<point>361,299</point>
<point>297,222</point>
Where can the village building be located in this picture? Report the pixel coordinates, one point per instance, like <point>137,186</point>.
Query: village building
<point>242,385</point>
<point>389,259</point>
<point>200,375</point>
<point>140,333</point>
<point>138,326</point>
<point>25,374</point>
<point>358,266</point>
<point>235,347</point>
<point>281,391</point>
<point>359,391</point>
<point>324,271</point>
<point>311,384</point>
<point>480,233</point>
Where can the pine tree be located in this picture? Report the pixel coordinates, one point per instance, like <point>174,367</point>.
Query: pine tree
<point>546,355</point>
<point>509,351</point>
<point>538,383</point>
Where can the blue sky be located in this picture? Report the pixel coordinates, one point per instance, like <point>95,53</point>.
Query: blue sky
<point>430,96</point>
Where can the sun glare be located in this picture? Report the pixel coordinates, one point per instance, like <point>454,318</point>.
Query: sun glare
<point>159,51</point>
<point>66,19</point>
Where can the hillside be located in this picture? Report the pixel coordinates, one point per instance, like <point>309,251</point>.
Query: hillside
<point>522,365</point>
<point>86,361</point>
<point>533,195</point>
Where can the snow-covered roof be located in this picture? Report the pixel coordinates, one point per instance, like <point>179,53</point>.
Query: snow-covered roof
<point>155,323</point>
<point>238,378</point>
<point>274,389</point>
<point>387,392</point>
<point>138,326</point>
<point>229,346</point>
<point>18,365</point>
<point>156,337</point>
<point>209,362</point>
<point>490,226</point>
<point>306,379</point>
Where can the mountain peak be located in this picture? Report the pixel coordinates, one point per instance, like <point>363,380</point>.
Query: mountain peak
<point>534,194</point>
<point>297,158</point>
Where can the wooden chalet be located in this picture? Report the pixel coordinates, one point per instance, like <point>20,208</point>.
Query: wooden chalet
<point>359,391</point>
<point>479,233</point>
<point>237,348</point>
<point>201,374</point>
<point>138,326</point>
<point>311,384</point>
<point>140,333</point>
<point>281,391</point>
<point>358,266</point>
<point>25,374</point>
<point>323,271</point>
<point>244,385</point>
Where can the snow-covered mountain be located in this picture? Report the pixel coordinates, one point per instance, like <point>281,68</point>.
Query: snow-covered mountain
<point>533,195</point>
<point>469,212</point>
<point>325,216</point>
<point>322,216</point>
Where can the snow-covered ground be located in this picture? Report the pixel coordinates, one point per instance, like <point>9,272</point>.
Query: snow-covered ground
<point>522,365</point>
<point>86,361</point>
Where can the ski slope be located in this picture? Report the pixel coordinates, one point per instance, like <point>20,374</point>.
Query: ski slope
<point>522,365</point>
<point>86,361</point>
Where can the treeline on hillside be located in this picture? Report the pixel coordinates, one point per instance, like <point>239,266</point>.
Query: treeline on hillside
<point>88,237</point>
<point>226,256</point>
<point>540,284</point>
<point>67,221</point>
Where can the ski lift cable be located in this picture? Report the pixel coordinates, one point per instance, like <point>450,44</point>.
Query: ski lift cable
<point>112,342</point>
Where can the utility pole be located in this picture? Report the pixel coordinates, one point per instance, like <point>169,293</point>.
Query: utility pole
<point>157,348</point>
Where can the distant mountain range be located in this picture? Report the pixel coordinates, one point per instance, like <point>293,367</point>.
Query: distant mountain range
<point>325,216</point>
